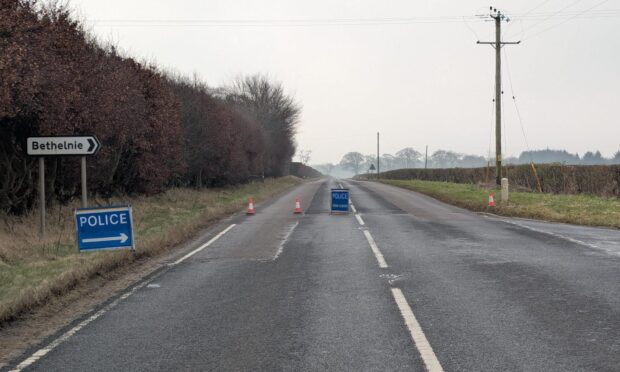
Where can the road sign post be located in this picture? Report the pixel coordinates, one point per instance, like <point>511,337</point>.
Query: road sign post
<point>340,201</point>
<point>60,146</point>
<point>84,193</point>
<point>104,228</point>
<point>42,197</point>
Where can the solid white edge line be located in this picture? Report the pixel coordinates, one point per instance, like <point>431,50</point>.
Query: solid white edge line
<point>213,240</point>
<point>375,250</point>
<point>417,334</point>
<point>65,336</point>
<point>43,351</point>
<point>572,240</point>
<point>359,219</point>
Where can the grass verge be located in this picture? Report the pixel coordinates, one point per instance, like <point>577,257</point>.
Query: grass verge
<point>576,209</point>
<point>32,271</point>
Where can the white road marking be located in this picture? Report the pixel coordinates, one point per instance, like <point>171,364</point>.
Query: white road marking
<point>417,335</point>
<point>353,208</point>
<point>288,235</point>
<point>64,337</point>
<point>359,219</point>
<point>572,240</point>
<point>213,240</point>
<point>375,250</point>
<point>43,351</point>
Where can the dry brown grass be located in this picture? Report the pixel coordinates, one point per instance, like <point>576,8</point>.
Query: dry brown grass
<point>32,271</point>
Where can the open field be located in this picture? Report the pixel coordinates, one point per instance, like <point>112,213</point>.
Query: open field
<point>576,209</point>
<point>31,270</point>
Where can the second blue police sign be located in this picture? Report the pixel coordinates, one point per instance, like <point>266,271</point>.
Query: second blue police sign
<point>104,228</point>
<point>340,201</point>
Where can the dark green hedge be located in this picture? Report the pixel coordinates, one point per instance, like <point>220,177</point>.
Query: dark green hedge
<point>602,180</point>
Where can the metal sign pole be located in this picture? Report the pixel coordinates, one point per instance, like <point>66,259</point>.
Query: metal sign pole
<point>84,196</point>
<point>42,196</point>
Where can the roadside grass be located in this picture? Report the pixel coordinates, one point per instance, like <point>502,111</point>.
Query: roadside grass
<point>32,271</point>
<point>576,209</point>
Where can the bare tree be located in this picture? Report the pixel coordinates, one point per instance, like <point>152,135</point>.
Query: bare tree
<point>277,113</point>
<point>388,162</point>
<point>444,159</point>
<point>304,156</point>
<point>408,157</point>
<point>325,168</point>
<point>352,161</point>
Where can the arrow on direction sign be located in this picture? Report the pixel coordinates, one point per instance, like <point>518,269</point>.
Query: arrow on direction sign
<point>121,238</point>
<point>91,145</point>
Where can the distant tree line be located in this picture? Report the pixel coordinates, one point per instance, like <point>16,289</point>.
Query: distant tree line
<point>357,163</point>
<point>157,129</point>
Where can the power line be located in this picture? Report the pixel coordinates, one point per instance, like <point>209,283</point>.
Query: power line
<point>278,22</point>
<point>514,100</point>
<point>346,21</point>
<point>536,7</point>
<point>554,14</point>
<point>567,20</point>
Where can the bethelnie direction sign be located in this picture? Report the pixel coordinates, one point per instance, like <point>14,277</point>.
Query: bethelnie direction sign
<point>104,228</point>
<point>58,146</point>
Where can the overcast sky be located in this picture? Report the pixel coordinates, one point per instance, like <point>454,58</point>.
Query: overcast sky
<point>419,82</point>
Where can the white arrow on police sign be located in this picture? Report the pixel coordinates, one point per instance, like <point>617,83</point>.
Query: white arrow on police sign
<point>64,145</point>
<point>120,238</point>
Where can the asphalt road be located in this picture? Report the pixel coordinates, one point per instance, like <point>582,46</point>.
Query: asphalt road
<point>458,292</point>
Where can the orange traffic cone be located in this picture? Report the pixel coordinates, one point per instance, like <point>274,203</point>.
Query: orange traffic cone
<point>491,201</point>
<point>250,207</point>
<point>297,206</point>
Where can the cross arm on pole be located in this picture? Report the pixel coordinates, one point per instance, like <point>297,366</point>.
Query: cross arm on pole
<point>502,43</point>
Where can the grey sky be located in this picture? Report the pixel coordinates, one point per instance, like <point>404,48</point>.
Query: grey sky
<point>417,83</point>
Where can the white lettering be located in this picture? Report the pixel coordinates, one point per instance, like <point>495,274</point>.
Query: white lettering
<point>92,221</point>
<point>104,219</point>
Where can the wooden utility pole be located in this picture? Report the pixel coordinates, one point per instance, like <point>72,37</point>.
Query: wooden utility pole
<point>378,166</point>
<point>497,44</point>
<point>426,157</point>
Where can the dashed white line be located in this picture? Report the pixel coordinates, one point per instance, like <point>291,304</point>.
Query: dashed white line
<point>375,250</point>
<point>213,240</point>
<point>417,335</point>
<point>288,235</point>
<point>359,219</point>
<point>353,208</point>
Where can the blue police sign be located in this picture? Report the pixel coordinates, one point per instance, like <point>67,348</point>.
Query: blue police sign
<point>340,201</point>
<point>104,228</point>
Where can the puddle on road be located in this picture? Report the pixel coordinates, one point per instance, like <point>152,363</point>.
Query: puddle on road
<point>391,277</point>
